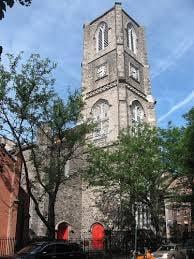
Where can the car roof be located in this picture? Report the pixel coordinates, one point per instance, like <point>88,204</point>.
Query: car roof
<point>171,244</point>
<point>37,246</point>
<point>54,242</point>
<point>167,246</point>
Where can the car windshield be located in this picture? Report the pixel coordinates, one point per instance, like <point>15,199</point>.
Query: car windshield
<point>28,249</point>
<point>166,248</point>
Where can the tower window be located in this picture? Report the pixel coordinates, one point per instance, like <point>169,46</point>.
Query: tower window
<point>137,112</point>
<point>131,38</point>
<point>134,72</point>
<point>66,169</point>
<point>102,36</point>
<point>100,117</point>
<point>102,71</point>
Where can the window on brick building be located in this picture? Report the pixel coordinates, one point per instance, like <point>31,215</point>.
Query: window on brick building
<point>102,36</point>
<point>100,116</point>
<point>131,38</point>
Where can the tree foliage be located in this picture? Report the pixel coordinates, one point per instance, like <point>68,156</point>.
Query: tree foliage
<point>138,167</point>
<point>182,159</point>
<point>188,143</point>
<point>10,3</point>
<point>188,162</point>
<point>43,127</point>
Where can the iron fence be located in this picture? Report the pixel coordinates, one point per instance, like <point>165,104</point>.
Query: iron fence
<point>110,244</point>
<point>100,246</point>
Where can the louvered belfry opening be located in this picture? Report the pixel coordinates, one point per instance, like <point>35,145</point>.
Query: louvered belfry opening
<point>102,36</point>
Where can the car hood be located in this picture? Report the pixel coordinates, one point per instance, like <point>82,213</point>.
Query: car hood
<point>20,255</point>
<point>160,253</point>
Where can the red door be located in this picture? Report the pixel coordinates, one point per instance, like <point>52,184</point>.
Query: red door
<point>97,236</point>
<point>63,231</point>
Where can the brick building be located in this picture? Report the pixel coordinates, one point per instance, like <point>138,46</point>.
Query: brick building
<point>9,190</point>
<point>178,215</point>
<point>13,203</point>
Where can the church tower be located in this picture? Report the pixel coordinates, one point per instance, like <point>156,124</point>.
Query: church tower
<point>116,87</point>
<point>115,74</point>
<point>117,92</point>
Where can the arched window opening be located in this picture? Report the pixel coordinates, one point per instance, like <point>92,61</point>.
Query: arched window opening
<point>131,38</point>
<point>137,113</point>
<point>98,234</point>
<point>63,231</point>
<point>100,116</point>
<point>67,168</point>
<point>102,36</point>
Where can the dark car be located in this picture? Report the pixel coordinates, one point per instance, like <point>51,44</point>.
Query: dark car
<point>188,248</point>
<point>189,244</point>
<point>51,250</point>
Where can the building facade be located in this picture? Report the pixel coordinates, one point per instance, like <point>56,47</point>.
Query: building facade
<point>116,84</point>
<point>9,190</point>
<point>14,202</point>
<point>117,93</point>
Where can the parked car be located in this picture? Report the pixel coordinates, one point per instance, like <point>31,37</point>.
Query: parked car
<point>171,251</point>
<point>188,248</point>
<point>189,245</point>
<point>50,250</point>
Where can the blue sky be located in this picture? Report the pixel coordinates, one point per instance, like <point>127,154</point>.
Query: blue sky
<point>56,32</point>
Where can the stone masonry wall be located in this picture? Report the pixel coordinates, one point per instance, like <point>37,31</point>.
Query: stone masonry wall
<point>76,204</point>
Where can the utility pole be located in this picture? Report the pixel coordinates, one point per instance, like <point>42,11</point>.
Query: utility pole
<point>1,50</point>
<point>135,251</point>
<point>136,227</point>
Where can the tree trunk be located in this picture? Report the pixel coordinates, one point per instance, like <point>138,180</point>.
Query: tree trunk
<point>155,223</point>
<point>51,216</point>
<point>155,218</point>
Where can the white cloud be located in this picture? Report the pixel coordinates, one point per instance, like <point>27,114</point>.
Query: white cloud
<point>55,31</point>
<point>177,106</point>
<point>171,60</point>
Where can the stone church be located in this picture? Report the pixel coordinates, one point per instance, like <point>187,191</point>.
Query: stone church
<point>117,93</point>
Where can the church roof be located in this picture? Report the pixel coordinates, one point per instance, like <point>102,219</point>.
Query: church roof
<point>116,3</point>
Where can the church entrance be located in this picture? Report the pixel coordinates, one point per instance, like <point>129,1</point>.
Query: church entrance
<point>63,231</point>
<point>98,234</point>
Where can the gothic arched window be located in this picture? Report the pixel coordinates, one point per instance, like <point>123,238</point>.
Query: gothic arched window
<point>102,36</point>
<point>137,112</point>
<point>131,38</point>
<point>100,117</point>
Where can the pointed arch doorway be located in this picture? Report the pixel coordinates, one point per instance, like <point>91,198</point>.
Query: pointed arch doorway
<point>98,234</point>
<point>63,231</point>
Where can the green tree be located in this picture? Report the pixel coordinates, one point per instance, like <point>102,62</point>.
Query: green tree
<point>10,3</point>
<point>138,168</point>
<point>182,159</point>
<point>43,127</point>
<point>187,162</point>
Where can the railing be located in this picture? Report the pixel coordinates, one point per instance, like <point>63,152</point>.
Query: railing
<point>7,246</point>
<point>112,244</point>
<point>96,246</point>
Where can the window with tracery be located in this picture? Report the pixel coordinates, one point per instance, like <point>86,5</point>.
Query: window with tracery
<point>131,38</point>
<point>100,116</point>
<point>137,112</point>
<point>102,36</point>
